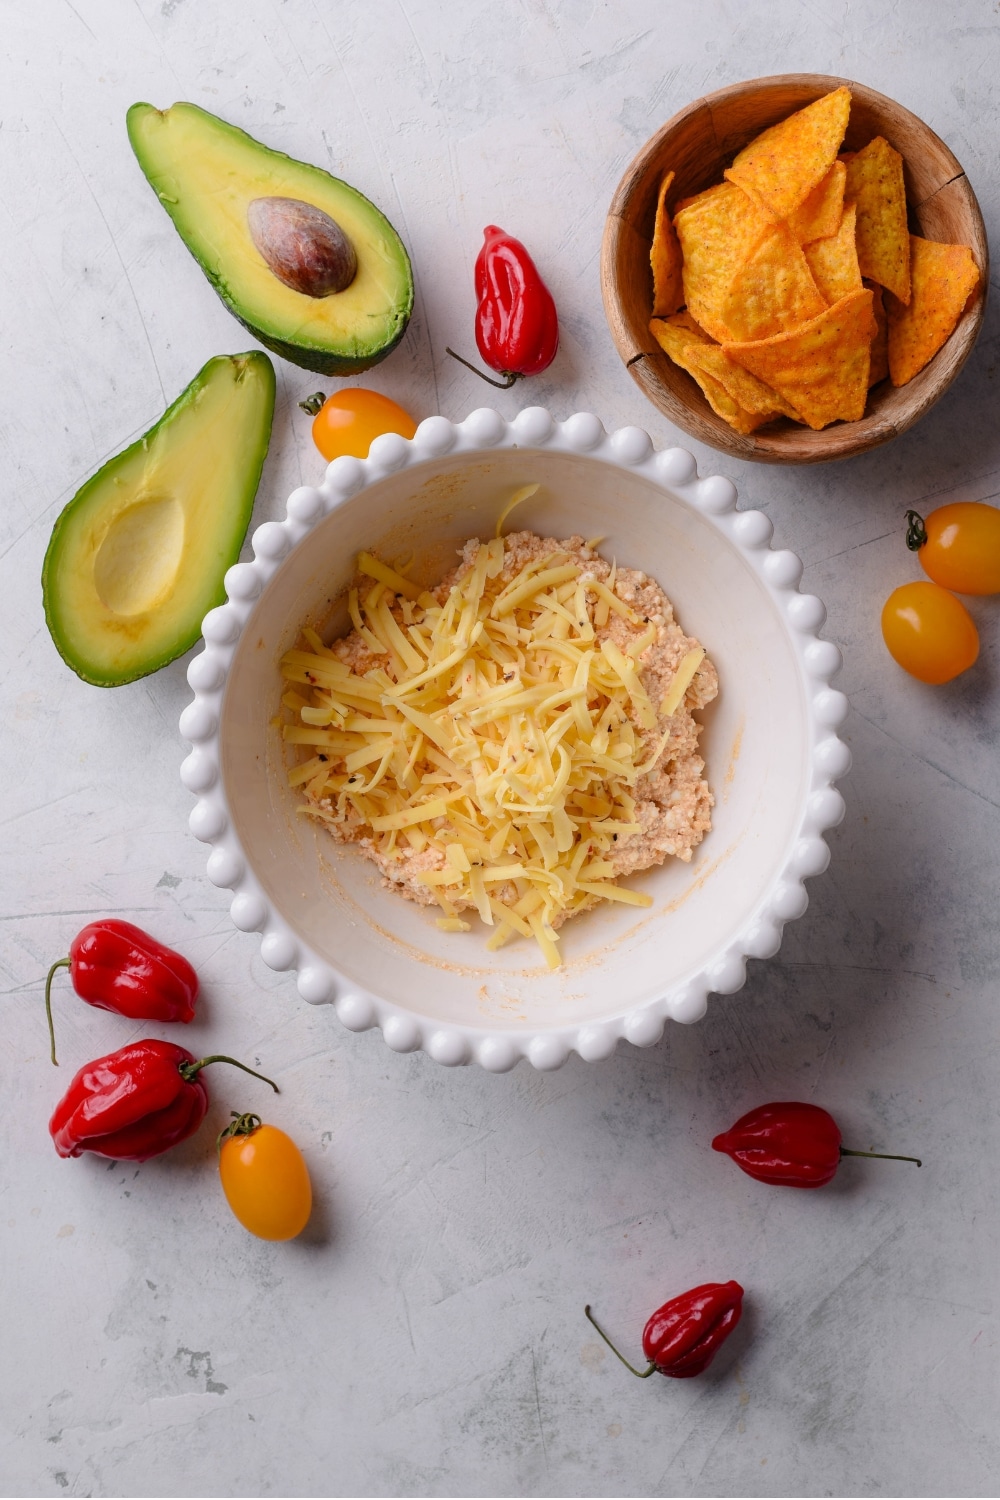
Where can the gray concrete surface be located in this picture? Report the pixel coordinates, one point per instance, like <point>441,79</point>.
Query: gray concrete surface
<point>426,1335</point>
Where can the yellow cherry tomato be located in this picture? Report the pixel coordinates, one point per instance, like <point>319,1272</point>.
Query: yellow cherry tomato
<point>929,632</point>
<point>959,546</point>
<point>349,421</point>
<point>265,1179</point>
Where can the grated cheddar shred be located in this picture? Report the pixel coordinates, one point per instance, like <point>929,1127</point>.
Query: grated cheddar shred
<point>493,743</point>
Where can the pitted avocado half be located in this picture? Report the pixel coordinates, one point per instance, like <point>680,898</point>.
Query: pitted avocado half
<point>242,208</point>
<point>138,557</point>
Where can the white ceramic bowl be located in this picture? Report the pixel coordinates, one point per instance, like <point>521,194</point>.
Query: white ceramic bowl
<point>770,744</point>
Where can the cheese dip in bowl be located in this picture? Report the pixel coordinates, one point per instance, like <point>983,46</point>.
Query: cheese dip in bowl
<point>511,742</point>
<point>768,741</point>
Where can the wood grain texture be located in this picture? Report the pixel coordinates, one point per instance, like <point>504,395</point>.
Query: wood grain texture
<point>697,144</point>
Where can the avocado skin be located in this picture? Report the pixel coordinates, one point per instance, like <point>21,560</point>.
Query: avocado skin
<point>251,460</point>
<point>325,358</point>
<point>322,361</point>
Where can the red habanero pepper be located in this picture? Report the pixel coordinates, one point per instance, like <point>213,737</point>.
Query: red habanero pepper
<point>683,1336</point>
<point>517,330</point>
<point>118,967</point>
<point>135,1103</point>
<point>790,1145</point>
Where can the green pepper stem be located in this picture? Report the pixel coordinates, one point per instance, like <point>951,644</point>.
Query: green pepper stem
<point>313,403</point>
<point>640,1374</point>
<point>60,963</point>
<point>238,1125</point>
<point>881,1155</point>
<point>509,376</point>
<point>190,1071</point>
<point>916,531</point>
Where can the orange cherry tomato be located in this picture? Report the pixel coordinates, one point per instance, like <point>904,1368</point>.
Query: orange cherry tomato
<point>265,1179</point>
<point>929,632</point>
<point>959,546</point>
<point>349,421</point>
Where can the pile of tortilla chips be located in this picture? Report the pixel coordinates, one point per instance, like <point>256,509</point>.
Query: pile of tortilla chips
<point>768,287</point>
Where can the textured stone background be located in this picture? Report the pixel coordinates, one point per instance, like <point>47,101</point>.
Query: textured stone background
<point>426,1336</point>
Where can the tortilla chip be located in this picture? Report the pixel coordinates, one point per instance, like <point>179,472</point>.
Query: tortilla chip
<point>880,343</point>
<point>943,277</point>
<point>677,333</point>
<point>834,261</point>
<point>681,342</point>
<point>821,369</point>
<point>785,163</point>
<point>710,192</point>
<point>772,292</point>
<point>875,182</point>
<point>716,232</point>
<point>745,389</point>
<point>665,258</point>
<point>819,215</point>
<point>685,319</point>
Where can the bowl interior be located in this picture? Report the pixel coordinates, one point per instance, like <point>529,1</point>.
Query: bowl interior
<point>756,744</point>
<point>697,144</point>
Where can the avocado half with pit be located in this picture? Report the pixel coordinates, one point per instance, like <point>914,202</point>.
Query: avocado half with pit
<point>306,262</point>
<point>139,555</point>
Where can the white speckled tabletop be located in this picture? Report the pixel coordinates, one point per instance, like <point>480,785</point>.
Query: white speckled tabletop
<point>426,1336</point>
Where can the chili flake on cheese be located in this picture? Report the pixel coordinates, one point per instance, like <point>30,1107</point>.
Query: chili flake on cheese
<point>510,742</point>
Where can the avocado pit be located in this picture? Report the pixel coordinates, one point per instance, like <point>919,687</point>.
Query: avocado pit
<point>306,249</point>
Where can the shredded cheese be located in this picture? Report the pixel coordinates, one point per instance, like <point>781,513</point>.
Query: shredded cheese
<point>683,678</point>
<point>494,735</point>
<point>525,493</point>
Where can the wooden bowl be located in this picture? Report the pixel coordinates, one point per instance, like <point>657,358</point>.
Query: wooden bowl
<point>698,144</point>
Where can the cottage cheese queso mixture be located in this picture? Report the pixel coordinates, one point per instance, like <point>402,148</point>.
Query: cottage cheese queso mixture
<point>510,743</point>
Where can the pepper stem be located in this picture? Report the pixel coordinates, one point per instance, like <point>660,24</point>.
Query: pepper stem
<point>190,1071</point>
<point>916,531</point>
<point>238,1125</point>
<point>509,376</point>
<point>312,403</point>
<point>640,1374</point>
<point>881,1155</point>
<point>60,963</point>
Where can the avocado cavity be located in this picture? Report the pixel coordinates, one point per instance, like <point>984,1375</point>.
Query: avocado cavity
<point>136,564</point>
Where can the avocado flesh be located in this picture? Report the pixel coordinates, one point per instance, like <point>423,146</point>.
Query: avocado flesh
<point>138,556</point>
<point>207,173</point>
